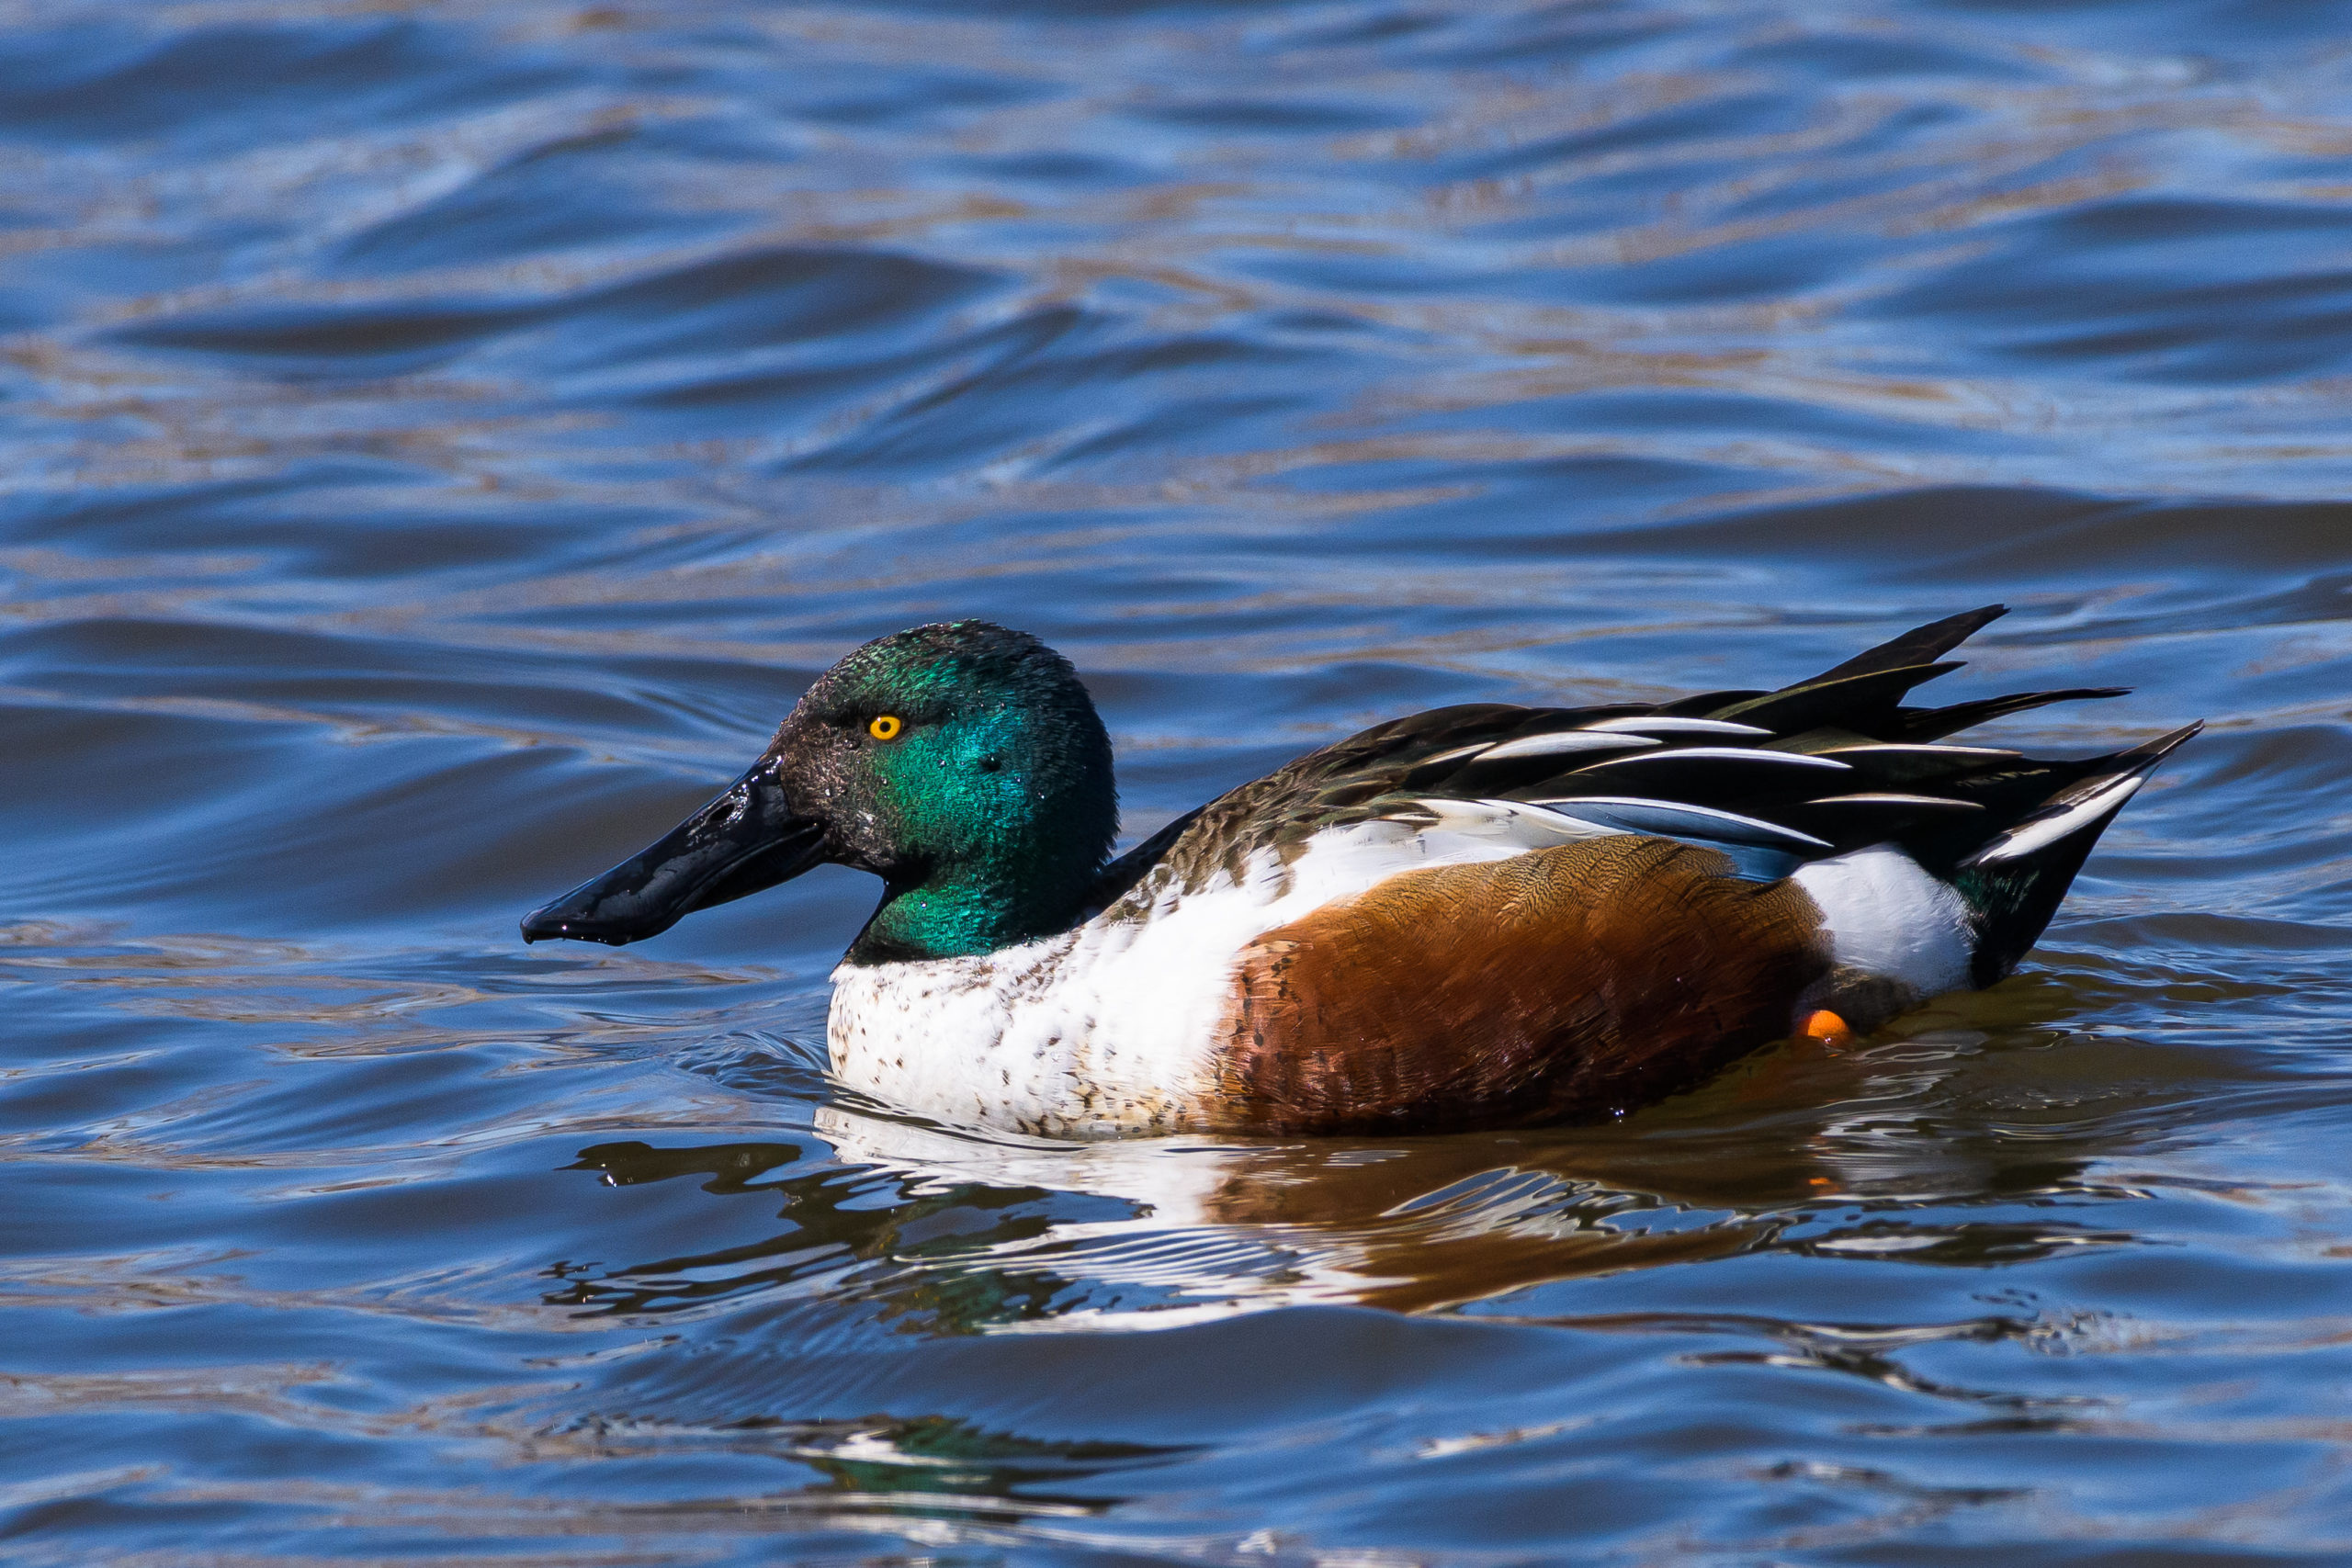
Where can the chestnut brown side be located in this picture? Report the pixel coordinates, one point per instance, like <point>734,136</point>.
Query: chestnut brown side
<point>1564,983</point>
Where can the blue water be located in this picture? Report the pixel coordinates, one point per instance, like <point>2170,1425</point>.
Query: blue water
<point>440,442</point>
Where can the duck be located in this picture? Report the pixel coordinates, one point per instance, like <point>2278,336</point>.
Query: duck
<point>1483,915</point>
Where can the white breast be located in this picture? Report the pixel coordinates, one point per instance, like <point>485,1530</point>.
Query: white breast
<point>1113,1027</point>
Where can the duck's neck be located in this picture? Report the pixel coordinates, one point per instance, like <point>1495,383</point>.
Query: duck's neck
<point>975,911</point>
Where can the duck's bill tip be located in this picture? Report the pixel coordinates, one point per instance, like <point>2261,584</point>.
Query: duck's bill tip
<point>600,911</point>
<point>746,840</point>
<point>541,925</point>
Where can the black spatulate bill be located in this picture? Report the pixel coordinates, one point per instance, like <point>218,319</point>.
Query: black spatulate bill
<point>747,840</point>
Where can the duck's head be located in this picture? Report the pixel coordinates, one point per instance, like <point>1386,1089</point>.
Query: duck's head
<point>962,764</point>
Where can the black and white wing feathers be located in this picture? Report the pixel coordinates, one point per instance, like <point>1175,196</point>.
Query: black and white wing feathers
<point>1774,778</point>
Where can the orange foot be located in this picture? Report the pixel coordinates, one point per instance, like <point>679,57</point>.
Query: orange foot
<point>1828,1028</point>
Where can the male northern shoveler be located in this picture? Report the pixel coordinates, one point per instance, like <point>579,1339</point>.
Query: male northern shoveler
<point>1478,916</point>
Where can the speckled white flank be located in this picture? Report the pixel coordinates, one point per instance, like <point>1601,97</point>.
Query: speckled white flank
<point>1111,1028</point>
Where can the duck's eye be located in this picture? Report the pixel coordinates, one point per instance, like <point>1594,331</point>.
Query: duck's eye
<point>886,727</point>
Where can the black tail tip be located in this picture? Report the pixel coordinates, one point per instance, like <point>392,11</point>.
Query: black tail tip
<point>2148,753</point>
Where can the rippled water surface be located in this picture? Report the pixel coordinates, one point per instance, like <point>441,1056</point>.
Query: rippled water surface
<point>441,440</point>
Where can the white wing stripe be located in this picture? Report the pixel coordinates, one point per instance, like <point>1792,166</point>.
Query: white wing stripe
<point>2028,836</point>
<point>1730,753</point>
<point>1741,830</point>
<point>1663,724</point>
<point>1893,749</point>
<point>1564,740</point>
<point>1455,755</point>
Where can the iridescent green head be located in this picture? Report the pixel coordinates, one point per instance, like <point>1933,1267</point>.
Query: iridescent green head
<point>961,763</point>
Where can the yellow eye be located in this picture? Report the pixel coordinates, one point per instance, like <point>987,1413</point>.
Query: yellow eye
<point>885,727</point>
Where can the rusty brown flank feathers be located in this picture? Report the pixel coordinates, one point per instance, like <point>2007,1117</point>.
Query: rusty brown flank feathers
<point>1567,982</point>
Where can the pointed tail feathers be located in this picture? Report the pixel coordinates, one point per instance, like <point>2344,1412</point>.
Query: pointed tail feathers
<point>1923,644</point>
<point>1864,693</point>
<point>2013,881</point>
